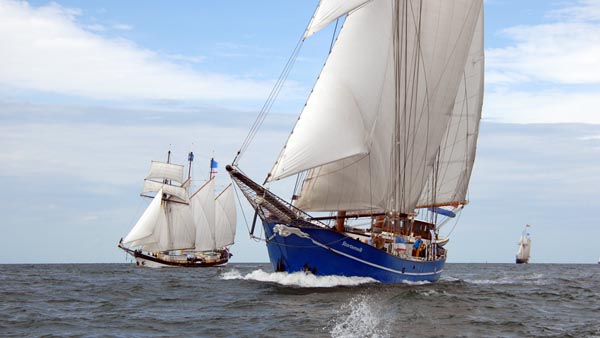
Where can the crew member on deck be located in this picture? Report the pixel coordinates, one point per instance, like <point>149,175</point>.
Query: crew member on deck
<point>417,246</point>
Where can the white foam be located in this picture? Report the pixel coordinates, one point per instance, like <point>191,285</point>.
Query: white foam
<point>301,279</point>
<point>423,282</point>
<point>360,317</point>
<point>534,278</point>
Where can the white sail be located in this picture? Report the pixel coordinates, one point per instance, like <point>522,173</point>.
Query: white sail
<point>330,10</point>
<point>169,171</point>
<point>383,118</point>
<point>151,231</point>
<point>202,204</point>
<point>449,179</point>
<point>524,246</point>
<point>182,230</point>
<point>225,218</point>
<point>179,192</point>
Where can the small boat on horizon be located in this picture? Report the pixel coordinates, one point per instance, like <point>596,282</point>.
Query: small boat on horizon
<point>179,229</point>
<point>523,252</point>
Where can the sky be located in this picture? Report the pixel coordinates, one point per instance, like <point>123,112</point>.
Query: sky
<point>92,91</point>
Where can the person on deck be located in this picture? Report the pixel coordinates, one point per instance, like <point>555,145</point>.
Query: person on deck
<point>416,246</point>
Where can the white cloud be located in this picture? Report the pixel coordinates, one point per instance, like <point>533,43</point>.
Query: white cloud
<point>45,49</point>
<point>586,10</point>
<point>565,53</point>
<point>96,28</point>
<point>550,73</point>
<point>542,107</point>
<point>118,154</point>
<point>123,27</point>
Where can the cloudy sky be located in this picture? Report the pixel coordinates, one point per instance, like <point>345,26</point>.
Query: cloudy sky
<point>91,91</point>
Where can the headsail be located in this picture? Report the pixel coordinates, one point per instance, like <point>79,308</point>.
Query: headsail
<point>151,231</point>
<point>384,121</point>
<point>330,10</point>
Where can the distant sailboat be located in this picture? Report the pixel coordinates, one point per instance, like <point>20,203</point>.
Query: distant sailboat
<point>387,138</point>
<point>178,229</point>
<point>524,247</point>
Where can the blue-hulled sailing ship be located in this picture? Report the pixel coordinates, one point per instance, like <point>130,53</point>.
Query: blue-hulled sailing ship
<point>385,145</point>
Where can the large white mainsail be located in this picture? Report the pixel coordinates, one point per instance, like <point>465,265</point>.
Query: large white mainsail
<point>381,105</point>
<point>449,179</point>
<point>202,204</point>
<point>182,229</point>
<point>225,217</point>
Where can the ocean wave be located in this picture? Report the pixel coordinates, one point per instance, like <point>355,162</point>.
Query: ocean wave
<point>535,279</point>
<point>299,279</point>
<point>360,317</point>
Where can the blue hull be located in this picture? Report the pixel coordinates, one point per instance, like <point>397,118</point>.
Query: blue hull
<point>326,252</point>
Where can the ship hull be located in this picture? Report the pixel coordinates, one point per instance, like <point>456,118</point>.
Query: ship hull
<point>324,252</point>
<point>151,261</point>
<point>522,261</point>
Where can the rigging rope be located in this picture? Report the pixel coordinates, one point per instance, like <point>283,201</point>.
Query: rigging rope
<point>274,93</point>
<point>269,102</point>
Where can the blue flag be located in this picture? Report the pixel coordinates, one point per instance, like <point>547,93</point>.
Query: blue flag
<point>213,166</point>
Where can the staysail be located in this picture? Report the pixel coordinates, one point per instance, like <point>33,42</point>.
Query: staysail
<point>330,10</point>
<point>150,232</point>
<point>385,120</point>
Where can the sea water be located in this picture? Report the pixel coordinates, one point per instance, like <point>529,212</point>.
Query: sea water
<point>249,300</point>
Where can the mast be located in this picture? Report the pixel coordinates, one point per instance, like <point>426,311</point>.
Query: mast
<point>213,167</point>
<point>166,181</point>
<point>190,160</point>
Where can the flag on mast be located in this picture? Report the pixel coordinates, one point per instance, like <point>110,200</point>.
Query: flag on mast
<point>213,166</point>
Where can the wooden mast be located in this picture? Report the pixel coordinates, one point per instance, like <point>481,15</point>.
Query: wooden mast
<point>340,220</point>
